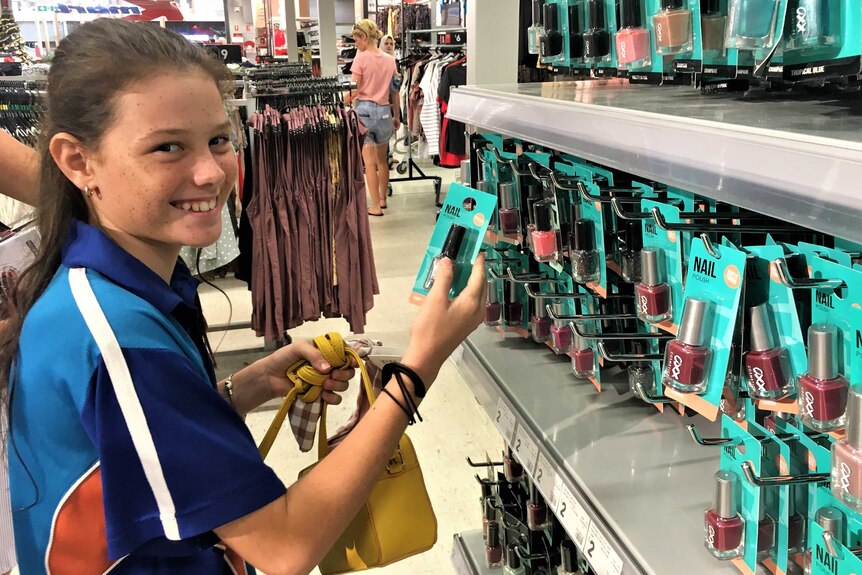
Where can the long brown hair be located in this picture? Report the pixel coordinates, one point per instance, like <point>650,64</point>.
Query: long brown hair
<point>90,67</point>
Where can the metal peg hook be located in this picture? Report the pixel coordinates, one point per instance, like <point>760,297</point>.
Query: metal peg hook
<point>513,165</point>
<point>532,294</point>
<point>560,186</point>
<point>658,217</point>
<point>829,543</point>
<point>751,476</point>
<point>471,463</point>
<point>624,215</point>
<point>783,274</point>
<point>496,275</point>
<point>709,246</point>
<point>533,172</point>
<point>587,317</point>
<point>603,351</point>
<point>618,336</point>
<point>528,278</point>
<point>710,441</point>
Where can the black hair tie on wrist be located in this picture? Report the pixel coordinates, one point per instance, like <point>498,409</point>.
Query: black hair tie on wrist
<point>392,368</point>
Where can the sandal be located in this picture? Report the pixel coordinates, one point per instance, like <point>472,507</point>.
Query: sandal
<point>376,215</point>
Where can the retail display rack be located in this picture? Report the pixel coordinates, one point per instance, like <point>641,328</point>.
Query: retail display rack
<point>629,484</point>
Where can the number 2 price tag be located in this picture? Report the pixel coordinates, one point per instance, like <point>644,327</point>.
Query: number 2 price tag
<point>525,450</point>
<point>572,515</point>
<point>602,557</point>
<point>546,481</point>
<point>505,421</point>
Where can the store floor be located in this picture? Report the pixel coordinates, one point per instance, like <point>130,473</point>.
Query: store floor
<point>455,426</point>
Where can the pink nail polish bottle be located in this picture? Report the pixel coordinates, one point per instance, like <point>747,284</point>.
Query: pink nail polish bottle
<point>561,337</point>
<point>767,365</point>
<point>493,309</point>
<point>847,455</point>
<point>510,216</point>
<point>544,238</point>
<point>724,528</point>
<point>688,358</point>
<point>823,390</point>
<point>540,323</point>
<point>632,39</point>
<point>654,302</point>
<point>583,357</point>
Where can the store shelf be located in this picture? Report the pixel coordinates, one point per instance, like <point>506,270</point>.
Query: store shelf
<point>468,554</point>
<point>797,160</point>
<point>632,475</point>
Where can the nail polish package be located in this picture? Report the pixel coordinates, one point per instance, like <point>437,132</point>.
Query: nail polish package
<point>540,323</point>
<point>538,514</point>
<point>796,525</point>
<point>534,196</point>
<point>713,26</point>
<point>697,361</point>
<point>568,559</point>
<point>652,293</point>
<point>768,372</point>
<point>631,243</point>
<point>535,32</point>
<point>823,389</point>
<point>583,357</point>
<point>752,24</point>
<point>493,307</point>
<point>576,34</point>
<point>633,47</point>
<point>847,456</point>
<point>551,40</point>
<point>494,547</point>
<point>509,213</point>
<point>561,337</point>
<point>489,516</point>
<point>512,469</point>
<point>765,534</point>
<point>672,27</point>
<point>513,308</point>
<point>661,270</point>
<point>583,255</point>
<point>643,382</point>
<point>597,39</point>
<point>823,39</point>
<point>833,520</point>
<point>812,24</point>
<point>513,564</point>
<point>724,526</point>
<point>545,234</point>
<point>458,236</point>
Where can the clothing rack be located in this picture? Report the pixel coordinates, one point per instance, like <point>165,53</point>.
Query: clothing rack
<point>411,163</point>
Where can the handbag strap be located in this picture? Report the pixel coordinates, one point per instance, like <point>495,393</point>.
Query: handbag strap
<point>308,386</point>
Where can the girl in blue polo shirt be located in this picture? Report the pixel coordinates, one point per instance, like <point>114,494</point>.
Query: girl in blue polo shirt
<point>125,454</point>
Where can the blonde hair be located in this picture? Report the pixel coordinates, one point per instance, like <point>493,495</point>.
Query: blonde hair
<point>369,29</point>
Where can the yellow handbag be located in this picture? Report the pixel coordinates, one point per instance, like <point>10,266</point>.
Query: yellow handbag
<point>397,520</point>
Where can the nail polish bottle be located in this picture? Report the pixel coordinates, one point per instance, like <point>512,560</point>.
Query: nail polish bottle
<point>630,252</point>
<point>672,27</point>
<point>568,559</point>
<point>767,365</point>
<point>796,527</point>
<point>765,534</point>
<point>493,548</point>
<point>513,562</point>
<point>847,455</point>
<point>724,527</point>
<point>823,390</point>
<point>632,39</point>
<point>534,32</point>
<point>654,302</point>
<point>812,24</point>
<point>489,516</point>
<point>551,41</point>
<point>597,40</point>
<point>752,24</point>
<point>510,216</point>
<point>582,252</point>
<point>493,309</point>
<point>513,310</point>
<point>583,357</point>
<point>538,517</point>
<point>576,33</point>
<point>831,520</point>
<point>713,25</point>
<point>687,359</point>
<point>642,380</point>
<point>512,470</point>
<point>544,237</point>
<point>450,250</point>
<point>534,195</point>
<point>561,337</point>
<point>540,323</point>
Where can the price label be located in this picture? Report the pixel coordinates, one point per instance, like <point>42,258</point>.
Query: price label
<point>525,450</point>
<point>546,481</point>
<point>573,516</point>
<point>602,557</point>
<point>505,421</point>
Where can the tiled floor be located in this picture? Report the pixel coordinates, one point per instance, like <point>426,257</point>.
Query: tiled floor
<point>454,427</point>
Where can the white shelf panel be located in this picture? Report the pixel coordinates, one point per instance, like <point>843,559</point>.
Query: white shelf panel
<point>623,467</point>
<point>797,160</point>
<point>468,554</point>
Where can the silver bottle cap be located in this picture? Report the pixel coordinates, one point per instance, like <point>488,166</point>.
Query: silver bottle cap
<point>651,269</point>
<point>491,295</point>
<point>578,342</point>
<point>693,328</point>
<point>854,417</point>
<point>505,193</point>
<point>823,351</point>
<point>513,292</point>
<point>762,328</point>
<point>832,520</point>
<point>726,494</point>
<point>465,172</point>
<point>481,186</point>
<point>541,311</point>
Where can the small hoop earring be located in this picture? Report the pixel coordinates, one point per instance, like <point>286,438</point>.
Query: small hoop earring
<point>88,192</point>
<point>97,191</point>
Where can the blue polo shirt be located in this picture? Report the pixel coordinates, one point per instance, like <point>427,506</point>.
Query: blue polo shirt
<point>84,501</point>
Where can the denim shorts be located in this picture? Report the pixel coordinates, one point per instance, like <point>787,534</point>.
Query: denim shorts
<point>377,119</point>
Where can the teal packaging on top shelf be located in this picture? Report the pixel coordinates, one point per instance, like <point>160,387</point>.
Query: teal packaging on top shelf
<point>553,43</point>
<point>633,39</point>
<point>606,67</point>
<point>690,60</point>
<point>458,235</point>
<point>822,39</point>
<point>696,362</point>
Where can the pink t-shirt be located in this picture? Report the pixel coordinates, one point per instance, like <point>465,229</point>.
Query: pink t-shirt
<point>377,71</point>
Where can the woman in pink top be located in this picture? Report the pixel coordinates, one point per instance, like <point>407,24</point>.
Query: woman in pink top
<point>377,106</point>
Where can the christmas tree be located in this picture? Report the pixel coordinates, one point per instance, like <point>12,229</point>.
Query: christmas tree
<point>11,41</point>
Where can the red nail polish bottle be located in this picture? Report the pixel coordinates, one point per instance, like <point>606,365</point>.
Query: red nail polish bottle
<point>489,517</point>
<point>796,527</point>
<point>767,365</point>
<point>540,323</point>
<point>654,303</point>
<point>538,517</point>
<point>724,527</point>
<point>561,337</point>
<point>765,534</point>
<point>510,216</point>
<point>632,40</point>
<point>493,308</point>
<point>493,548</point>
<point>583,357</point>
<point>512,307</point>
<point>823,390</point>
<point>513,471</point>
<point>688,358</point>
